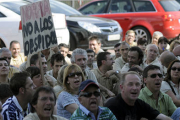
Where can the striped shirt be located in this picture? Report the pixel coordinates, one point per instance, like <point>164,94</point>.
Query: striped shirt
<point>11,110</point>
<point>83,114</point>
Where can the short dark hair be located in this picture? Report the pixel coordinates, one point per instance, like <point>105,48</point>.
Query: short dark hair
<point>34,58</point>
<point>17,81</point>
<point>58,57</point>
<point>5,91</point>
<point>94,37</point>
<point>148,68</point>
<point>140,52</point>
<point>14,41</point>
<point>36,95</point>
<point>90,51</point>
<point>63,45</point>
<point>142,41</point>
<point>1,59</point>
<point>33,71</point>
<point>101,56</point>
<point>163,39</point>
<point>117,45</point>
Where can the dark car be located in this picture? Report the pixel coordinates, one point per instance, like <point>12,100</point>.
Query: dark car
<point>81,27</point>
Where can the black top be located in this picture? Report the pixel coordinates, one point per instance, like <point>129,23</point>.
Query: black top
<point>123,111</point>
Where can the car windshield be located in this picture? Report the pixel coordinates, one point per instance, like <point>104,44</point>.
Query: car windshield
<point>14,6</point>
<point>170,5</point>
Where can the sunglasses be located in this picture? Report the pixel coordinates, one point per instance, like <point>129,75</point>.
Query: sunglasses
<point>175,68</point>
<point>75,73</point>
<point>89,94</point>
<point>155,75</point>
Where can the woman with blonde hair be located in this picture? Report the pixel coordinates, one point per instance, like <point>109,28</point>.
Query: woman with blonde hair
<point>155,37</point>
<point>67,101</point>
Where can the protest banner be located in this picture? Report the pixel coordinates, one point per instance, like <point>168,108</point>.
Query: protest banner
<point>37,27</point>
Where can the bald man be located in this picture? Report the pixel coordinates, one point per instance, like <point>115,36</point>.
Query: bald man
<point>176,51</point>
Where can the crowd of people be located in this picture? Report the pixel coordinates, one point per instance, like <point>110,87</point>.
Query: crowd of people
<point>140,82</point>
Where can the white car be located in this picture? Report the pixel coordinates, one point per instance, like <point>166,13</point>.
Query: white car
<point>10,24</point>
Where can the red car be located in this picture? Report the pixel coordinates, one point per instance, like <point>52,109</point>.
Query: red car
<point>143,16</point>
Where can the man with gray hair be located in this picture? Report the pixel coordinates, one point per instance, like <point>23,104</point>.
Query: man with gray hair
<point>79,57</point>
<point>6,54</point>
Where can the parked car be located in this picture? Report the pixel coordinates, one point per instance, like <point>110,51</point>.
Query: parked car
<point>10,23</point>
<point>81,27</point>
<point>142,16</point>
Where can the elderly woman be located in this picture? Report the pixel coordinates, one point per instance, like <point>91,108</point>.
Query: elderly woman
<point>173,45</point>
<point>171,85</point>
<point>162,44</point>
<point>155,37</point>
<point>67,101</point>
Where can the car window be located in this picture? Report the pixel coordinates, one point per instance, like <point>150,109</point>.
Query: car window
<point>143,6</point>
<point>2,15</point>
<point>170,5</point>
<point>120,6</point>
<point>95,7</point>
<point>14,6</point>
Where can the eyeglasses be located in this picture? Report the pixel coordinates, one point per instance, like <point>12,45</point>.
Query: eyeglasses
<point>89,94</point>
<point>75,73</point>
<point>155,75</point>
<point>175,68</point>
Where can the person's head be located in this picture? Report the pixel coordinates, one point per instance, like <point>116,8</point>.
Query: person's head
<point>57,61</point>
<point>130,37</point>
<point>43,102</point>
<point>91,56</point>
<point>15,48</point>
<point>60,75</point>
<point>89,95</point>
<point>105,60</point>
<point>156,36</point>
<point>152,52</point>
<point>124,48</point>
<point>135,56</point>
<point>152,77</point>
<point>6,92</point>
<point>35,61</point>
<point>4,67</point>
<point>6,53</point>
<point>166,58</point>
<point>176,51</point>
<point>173,71</point>
<point>72,78</point>
<point>79,56</point>
<point>22,85</point>
<point>64,49</point>
<point>35,75</point>
<point>117,50</point>
<point>130,87</point>
<point>174,44</point>
<point>162,43</point>
<point>94,43</point>
<point>142,43</point>
<point>1,117</point>
<point>45,51</point>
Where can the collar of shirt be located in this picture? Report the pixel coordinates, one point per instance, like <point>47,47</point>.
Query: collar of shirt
<point>149,93</point>
<point>87,112</point>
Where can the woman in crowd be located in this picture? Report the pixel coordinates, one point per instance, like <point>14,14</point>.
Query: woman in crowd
<point>171,84</point>
<point>35,76</point>
<point>155,37</point>
<point>58,88</point>
<point>162,44</point>
<point>67,101</point>
<point>174,44</point>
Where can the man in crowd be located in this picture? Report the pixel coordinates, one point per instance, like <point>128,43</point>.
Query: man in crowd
<point>17,58</point>
<point>91,64</point>
<point>176,51</point>
<point>35,61</point>
<point>4,70</point>
<point>121,61</point>
<point>117,51</point>
<point>95,44</point>
<point>43,102</point>
<point>127,106</point>
<point>17,107</point>
<point>130,38</point>
<point>135,59</point>
<point>79,57</point>
<point>104,73</point>
<point>89,97</point>
<point>64,49</point>
<point>57,61</point>
<point>152,95</point>
<point>6,53</point>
